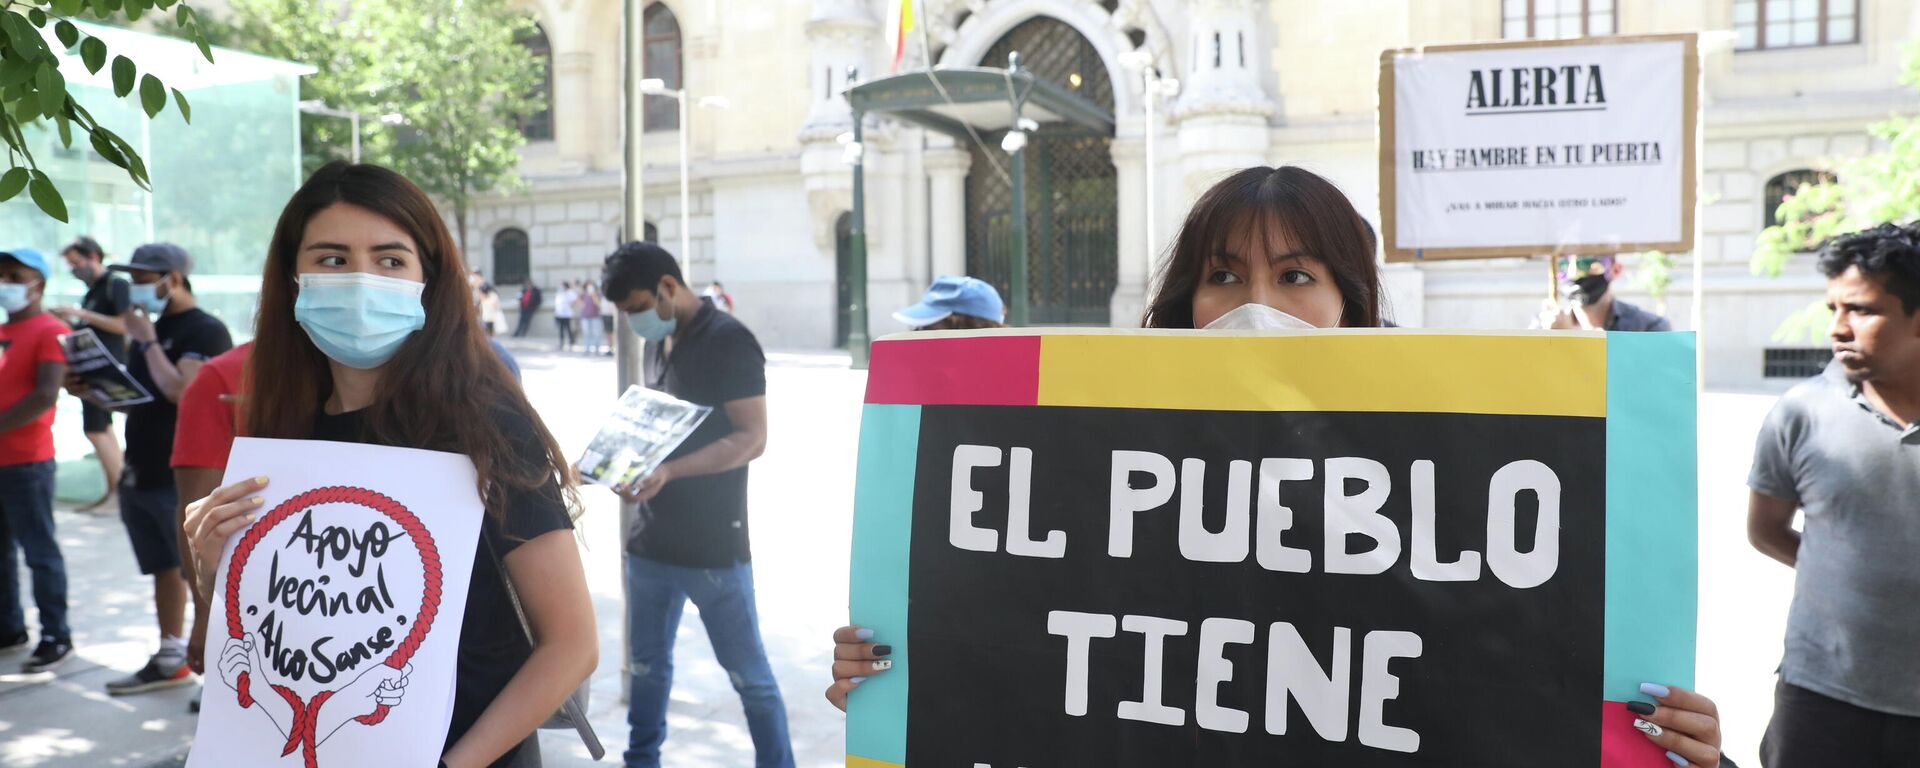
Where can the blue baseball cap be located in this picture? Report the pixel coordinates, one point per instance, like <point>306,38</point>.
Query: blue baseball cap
<point>29,257</point>
<point>954,295</point>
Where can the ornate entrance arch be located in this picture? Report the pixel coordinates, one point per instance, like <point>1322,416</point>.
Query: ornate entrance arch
<point>1072,200</point>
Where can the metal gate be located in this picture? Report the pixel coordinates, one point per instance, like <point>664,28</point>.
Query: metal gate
<point>1072,230</point>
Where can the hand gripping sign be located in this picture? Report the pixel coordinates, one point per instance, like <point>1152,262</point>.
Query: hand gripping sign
<point>341,607</point>
<point>1359,548</point>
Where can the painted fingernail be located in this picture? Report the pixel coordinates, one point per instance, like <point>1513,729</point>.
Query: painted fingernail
<point>1656,690</point>
<point>863,634</point>
<point>883,650</point>
<point>256,501</point>
<point>250,517</point>
<point>1640,707</point>
<point>882,665</point>
<point>1647,728</point>
<point>857,680</point>
<point>261,480</point>
<point>1677,759</point>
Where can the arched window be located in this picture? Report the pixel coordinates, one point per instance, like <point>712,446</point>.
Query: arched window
<point>538,126</point>
<point>1780,187</point>
<point>511,262</point>
<point>662,54</point>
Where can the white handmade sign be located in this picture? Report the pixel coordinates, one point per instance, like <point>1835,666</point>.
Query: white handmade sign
<point>336,614</point>
<point>1512,149</point>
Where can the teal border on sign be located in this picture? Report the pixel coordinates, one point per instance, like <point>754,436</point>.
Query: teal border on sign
<point>1653,527</point>
<point>882,529</point>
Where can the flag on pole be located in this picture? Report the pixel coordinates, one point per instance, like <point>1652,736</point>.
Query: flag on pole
<point>899,25</point>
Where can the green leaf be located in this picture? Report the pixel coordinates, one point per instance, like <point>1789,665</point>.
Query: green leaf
<point>11,183</point>
<point>48,198</point>
<point>68,33</point>
<point>107,150</point>
<point>26,41</point>
<point>93,53</point>
<point>153,95</point>
<point>66,130</point>
<point>38,17</point>
<point>183,16</point>
<point>122,76</point>
<point>180,100</point>
<point>17,71</point>
<point>69,7</point>
<point>53,90</point>
<point>110,6</point>
<point>133,10</point>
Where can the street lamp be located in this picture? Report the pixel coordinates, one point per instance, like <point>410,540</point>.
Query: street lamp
<point>318,107</point>
<point>654,86</point>
<point>1152,86</point>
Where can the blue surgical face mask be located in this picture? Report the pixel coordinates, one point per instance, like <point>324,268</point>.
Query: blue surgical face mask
<point>649,326</point>
<point>14,296</point>
<point>358,319</point>
<point>146,297</point>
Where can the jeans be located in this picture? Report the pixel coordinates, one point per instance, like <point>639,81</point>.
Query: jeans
<point>656,595</point>
<point>565,326</point>
<point>1809,730</point>
<point>520,327</point>
<point>26,519</point>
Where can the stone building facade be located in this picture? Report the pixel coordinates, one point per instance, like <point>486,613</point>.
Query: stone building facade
<point>1790,88</point>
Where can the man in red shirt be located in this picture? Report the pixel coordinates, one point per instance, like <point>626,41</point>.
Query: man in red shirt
<point>209,419</point>
<point>33,364</point>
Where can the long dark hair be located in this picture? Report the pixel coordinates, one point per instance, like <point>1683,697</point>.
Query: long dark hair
<point>1309,209</point>
<point>444,390</point>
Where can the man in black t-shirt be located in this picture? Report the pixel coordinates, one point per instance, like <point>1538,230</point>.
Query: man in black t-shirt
<point>105,302</point>
<point>691,543</point>
<point>166,352</point>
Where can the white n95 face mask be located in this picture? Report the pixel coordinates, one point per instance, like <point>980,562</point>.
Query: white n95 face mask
<point>1258,317</point>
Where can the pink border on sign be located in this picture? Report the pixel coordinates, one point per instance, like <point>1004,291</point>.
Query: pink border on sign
<point>967,370</point>
<point>1621,746</point>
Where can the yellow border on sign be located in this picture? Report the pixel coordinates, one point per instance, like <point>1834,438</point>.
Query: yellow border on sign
<point>867,762</point>
<point>1544,374</point>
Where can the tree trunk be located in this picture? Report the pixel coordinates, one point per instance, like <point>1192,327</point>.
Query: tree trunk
<point>460,226</point>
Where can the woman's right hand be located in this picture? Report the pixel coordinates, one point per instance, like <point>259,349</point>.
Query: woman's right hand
<point>855,658</point>
<point>210,521</point>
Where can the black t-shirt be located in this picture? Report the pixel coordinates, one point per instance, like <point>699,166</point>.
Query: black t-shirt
<point>189,335</point>
<point>493,646</point>
<point>108,296</point>
<point>701,522</point>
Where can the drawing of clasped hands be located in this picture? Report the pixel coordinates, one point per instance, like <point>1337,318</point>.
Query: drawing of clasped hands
<point>380,686</point>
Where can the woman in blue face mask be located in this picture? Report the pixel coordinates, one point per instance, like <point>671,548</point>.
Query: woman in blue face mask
<point>366,333</point>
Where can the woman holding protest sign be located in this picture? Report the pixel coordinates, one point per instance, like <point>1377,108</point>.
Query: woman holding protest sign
<point>366,334</point>
<point>1283,248</point>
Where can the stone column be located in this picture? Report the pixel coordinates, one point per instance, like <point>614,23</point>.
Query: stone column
<point>573,131</point>
<point>947,218</point>
<point>1223,109</point>
<point>1136,260</point>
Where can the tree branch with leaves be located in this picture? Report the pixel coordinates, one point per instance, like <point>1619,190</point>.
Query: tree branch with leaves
<point>33,90</point>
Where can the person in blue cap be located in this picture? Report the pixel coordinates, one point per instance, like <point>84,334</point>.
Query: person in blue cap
<point>956,303</point>
<point>33,362</point>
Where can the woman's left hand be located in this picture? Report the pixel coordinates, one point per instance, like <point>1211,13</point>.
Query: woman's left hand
<point>1686,724</point>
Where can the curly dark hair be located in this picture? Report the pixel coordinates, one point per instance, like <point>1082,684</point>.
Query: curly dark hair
<point>1890,252</point>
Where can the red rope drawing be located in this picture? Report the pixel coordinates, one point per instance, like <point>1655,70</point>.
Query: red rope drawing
<point>301,732</point>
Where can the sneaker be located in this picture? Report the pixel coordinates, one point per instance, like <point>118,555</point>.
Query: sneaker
<point>49,655</point>
<point>10,643</point>
<point>155,676</point>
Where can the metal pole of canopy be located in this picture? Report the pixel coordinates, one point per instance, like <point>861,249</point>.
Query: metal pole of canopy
<point>857,339</point>
<point>1017,307</point>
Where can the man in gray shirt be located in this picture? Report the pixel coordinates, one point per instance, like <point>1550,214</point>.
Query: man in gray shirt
<point>1845,447</point>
